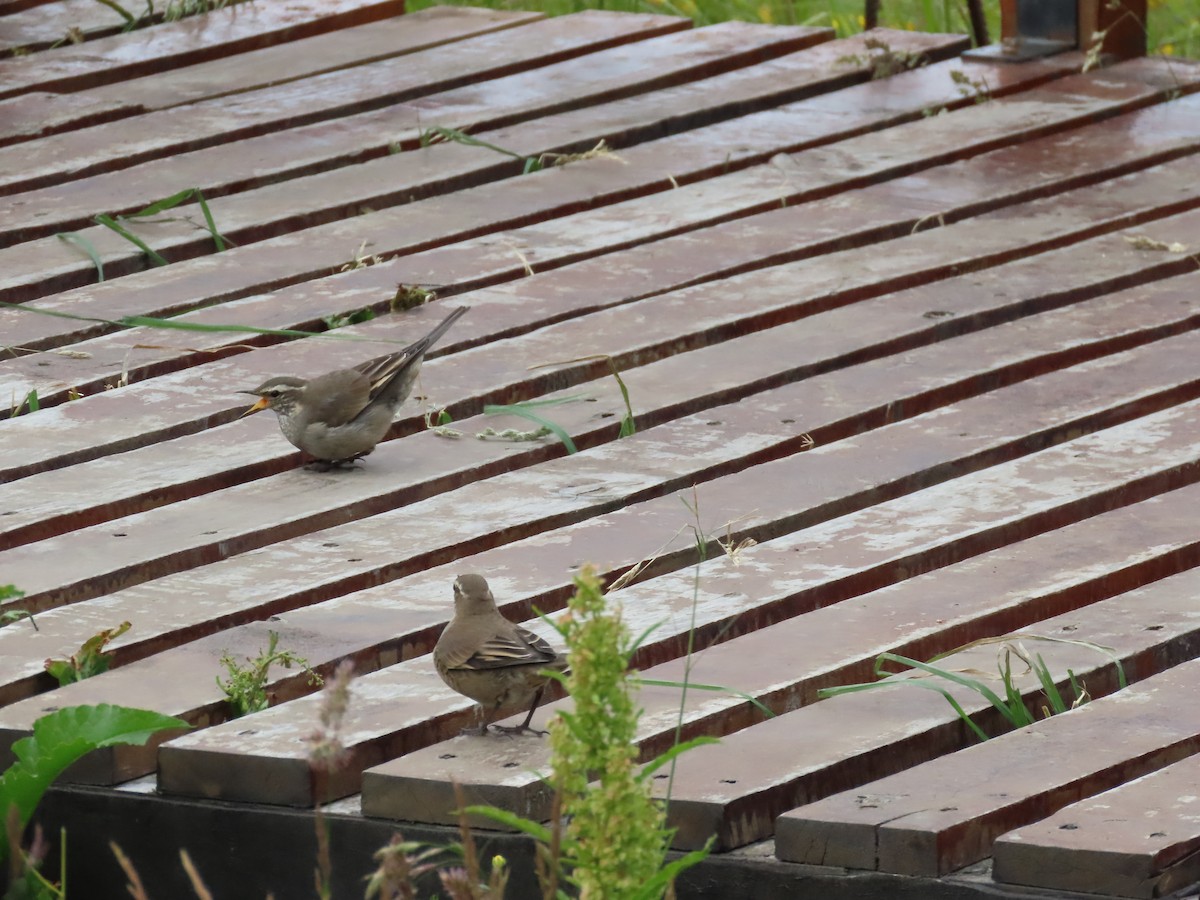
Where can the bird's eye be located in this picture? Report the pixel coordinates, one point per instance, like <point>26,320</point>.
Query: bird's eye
<point>274,392</point>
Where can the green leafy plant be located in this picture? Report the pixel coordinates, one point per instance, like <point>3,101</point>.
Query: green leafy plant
<point>89,660</point>
<point>58,740</point>
<point>1011,706</point>
<point>8,616</point>
<point>246,689</point>
<point>339,320</point>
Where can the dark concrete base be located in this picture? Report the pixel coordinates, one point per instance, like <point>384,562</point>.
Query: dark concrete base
<point>247,853</point>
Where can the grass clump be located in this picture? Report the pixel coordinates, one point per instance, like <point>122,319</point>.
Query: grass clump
<point>1012,706</point>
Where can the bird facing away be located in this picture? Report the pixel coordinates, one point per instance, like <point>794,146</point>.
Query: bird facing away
<point>340,416</point>
<point>495,662</point>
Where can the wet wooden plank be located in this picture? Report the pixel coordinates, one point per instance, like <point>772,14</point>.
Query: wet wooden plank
<point>37,29</point>
<point>971,514</point>
<point>444,219</point>
<point>262,210</point>
<point>922,821</point>
<point>434,26</point>
<point>90,427</point>
<point>725,249</point>
<point>1136,840</point>
<point>851,401</point>
<point>1039,162</point>
<point>37,114</point>
<point>487,82</point>
<point>218,170</point>
<point>1025,418</point>
<point>784,666</point>
<point>47,264</point>
<point>482,260</point>
<point>219,33</point>
<point>174,532</point>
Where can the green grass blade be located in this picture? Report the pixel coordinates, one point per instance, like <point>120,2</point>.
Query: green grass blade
<point>972,683</point>
<point>518,410</point>
<point>73,237</point>
<point>715,688</point>
<point>164,204</point>
<point>130,19</point>
<point>667,755</point>
<point>460,137</point>
<point>182,325</point>
<point>628,426</point>
<point>1053,696</point>
<point>218,240</point>
<point>109,222</point>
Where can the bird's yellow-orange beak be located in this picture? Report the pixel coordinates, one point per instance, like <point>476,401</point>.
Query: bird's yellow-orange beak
<point>260,404</point>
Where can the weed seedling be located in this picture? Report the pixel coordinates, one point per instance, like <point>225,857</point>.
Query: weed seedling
<point>246,689</point>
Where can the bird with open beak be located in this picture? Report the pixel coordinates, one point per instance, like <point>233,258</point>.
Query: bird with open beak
<point>495,662</point>
<point>340,416</point>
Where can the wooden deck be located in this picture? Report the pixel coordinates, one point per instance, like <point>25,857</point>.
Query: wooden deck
<point>892,328</point>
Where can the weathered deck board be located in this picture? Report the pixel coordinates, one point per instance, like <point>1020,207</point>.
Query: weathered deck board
<point>1017,408</point>
<point>1128,200</point>
<point>866,394</point>
<point>493,79</point>
<point>892,152</point>
<point>966,516</point>
<point>929,272</point>
<point>921,821</point>
<point>1004,590</point>
<point>220,33</point>
<point>303,58</point>
<point>1135,840</point>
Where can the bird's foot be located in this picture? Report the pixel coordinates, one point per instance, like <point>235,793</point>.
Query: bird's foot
<point>328,465</point>
<point>513,730</point>
<point>475,731</point>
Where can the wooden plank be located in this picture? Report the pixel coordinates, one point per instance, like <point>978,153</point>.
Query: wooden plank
<point>434,26</point>
<point>37,114</point>
<point>783,666</point>
<point>259,212</point>
<point>400,708</point>
<point>503,368</point>
<point>37,29</point>
<point>922,821</point>
<point>838,403</point>
<point>53,374</point>
<point>44,265</point>
<point>488,82</point>
<point>219,33</point>
<point>1026,420</point>
<point>279,262</point>
<point>1136,840</point>
<point>91,426</point>
<point>218,170</point>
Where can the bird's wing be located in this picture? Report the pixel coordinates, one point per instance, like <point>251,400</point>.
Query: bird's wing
<point>382,373</point>
<point>379,371</point>
<point>519,647</point>
<point>343,395</point>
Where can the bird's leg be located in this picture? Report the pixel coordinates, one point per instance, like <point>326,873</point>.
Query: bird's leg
<point>481,727</point>
<point>524,726</point>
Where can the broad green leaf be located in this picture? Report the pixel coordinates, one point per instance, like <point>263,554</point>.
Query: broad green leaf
<point>61,738</point>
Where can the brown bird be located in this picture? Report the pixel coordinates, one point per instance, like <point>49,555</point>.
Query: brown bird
<point>496,663</point>
<point>340,416</point>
